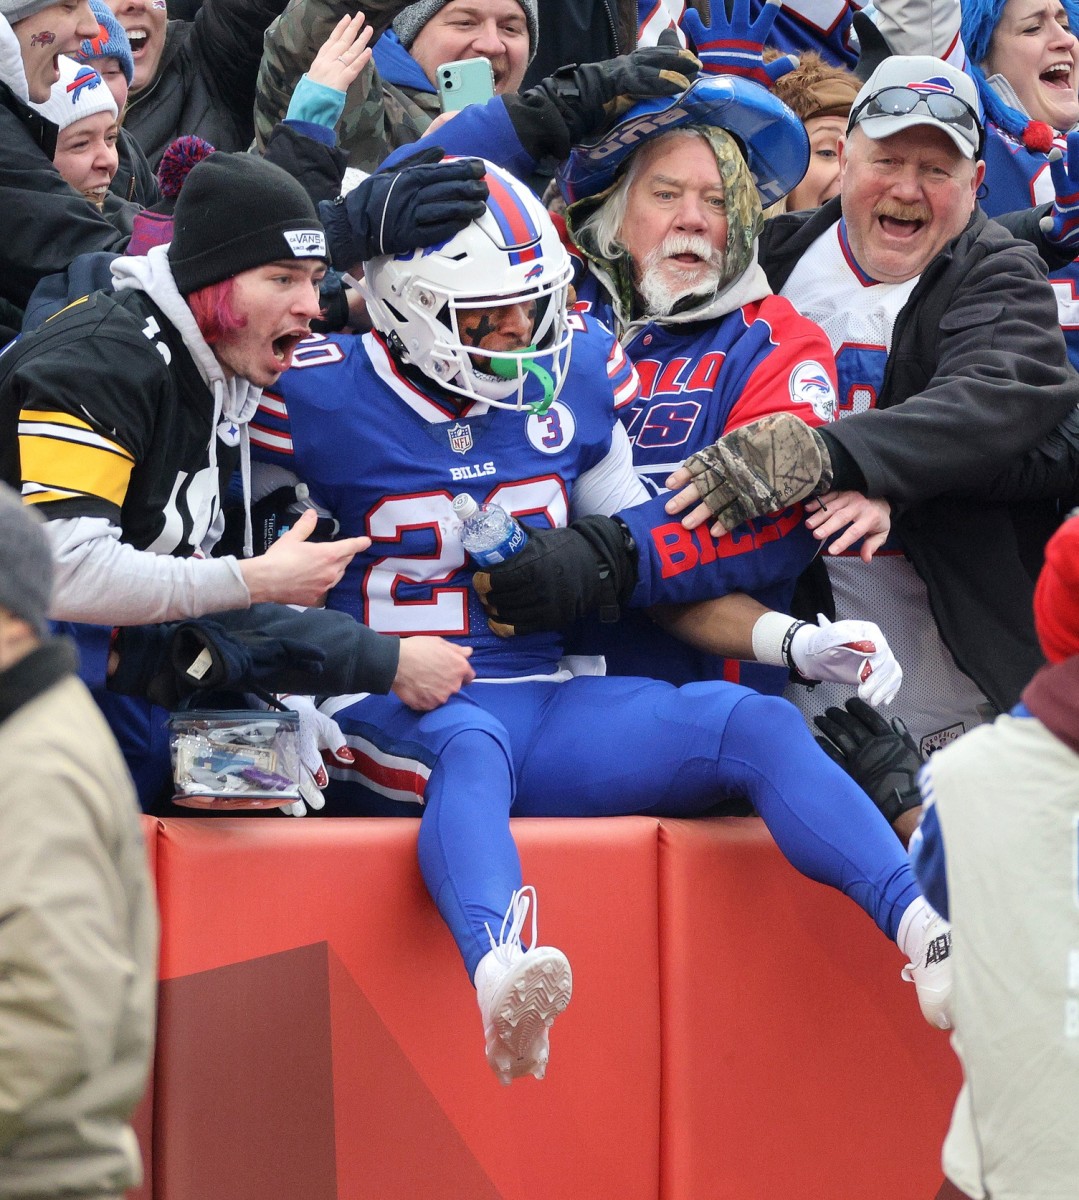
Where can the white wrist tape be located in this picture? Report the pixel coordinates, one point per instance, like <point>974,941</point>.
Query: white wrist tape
<point>772,635</point>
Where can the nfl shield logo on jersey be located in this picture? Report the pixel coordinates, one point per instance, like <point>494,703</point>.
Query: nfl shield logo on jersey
<point>460,438</point>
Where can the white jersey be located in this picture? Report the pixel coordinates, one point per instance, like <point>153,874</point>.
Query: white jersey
<point>937,701</point>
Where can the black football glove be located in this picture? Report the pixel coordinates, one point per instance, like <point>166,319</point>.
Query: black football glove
<point>879,755</point>
<point>560,575</point>
<point>418,202</point>
<point>168,663</point>
<point>578,102</point>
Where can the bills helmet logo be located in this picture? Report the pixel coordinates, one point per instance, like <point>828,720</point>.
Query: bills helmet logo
<point>86,79</point>
<point>460,436</point>
<point>44,38</point>
<point>98,44</point>
<point>534,272</point>
<point>809,384</point>
<point>936,84</point>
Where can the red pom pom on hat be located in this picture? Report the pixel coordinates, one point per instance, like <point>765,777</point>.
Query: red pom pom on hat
<point>1056,597</point>
<point>1038,136</point>
<point>179,157</point>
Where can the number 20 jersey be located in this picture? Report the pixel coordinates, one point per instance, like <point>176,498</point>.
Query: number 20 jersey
<point>387,458</point>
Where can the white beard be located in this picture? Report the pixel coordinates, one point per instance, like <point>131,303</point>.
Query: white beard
<point>659,286</point>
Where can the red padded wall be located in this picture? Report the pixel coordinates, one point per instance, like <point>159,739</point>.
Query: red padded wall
<point>317,1025</point>
<point>796,1063</point>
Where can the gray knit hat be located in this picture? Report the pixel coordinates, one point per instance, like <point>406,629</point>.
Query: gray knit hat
<point>25,561</point>
<point>15,10</point>
<point>408,23</point>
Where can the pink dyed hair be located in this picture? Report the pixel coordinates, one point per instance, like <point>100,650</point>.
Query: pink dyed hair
<point>214,314</point>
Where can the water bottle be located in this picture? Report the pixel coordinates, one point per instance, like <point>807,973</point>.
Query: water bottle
<point>488,532</point>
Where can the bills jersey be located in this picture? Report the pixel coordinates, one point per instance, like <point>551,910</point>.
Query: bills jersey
<point>387,457</point>
<point>1017,178</point>
<point>937,701</point>
<point>699,380</point>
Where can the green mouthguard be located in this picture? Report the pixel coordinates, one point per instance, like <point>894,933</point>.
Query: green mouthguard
<point>509,367</point>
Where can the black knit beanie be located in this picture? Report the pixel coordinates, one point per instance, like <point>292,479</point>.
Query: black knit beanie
<point>235,212</point>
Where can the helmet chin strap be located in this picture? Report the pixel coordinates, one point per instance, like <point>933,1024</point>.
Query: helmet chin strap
<point>509,367</point>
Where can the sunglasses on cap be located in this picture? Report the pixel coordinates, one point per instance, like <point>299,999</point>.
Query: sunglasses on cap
<point>901,101</point>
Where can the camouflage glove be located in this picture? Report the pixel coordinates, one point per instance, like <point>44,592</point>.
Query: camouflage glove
<point>761,468</point>
<point>558,576</point>
<point>879,755</point>
<point>578,102</point>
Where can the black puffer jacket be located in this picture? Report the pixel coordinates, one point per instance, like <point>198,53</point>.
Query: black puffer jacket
<point>134,179</point>
<point>205,82</point>
<point>46,222</point>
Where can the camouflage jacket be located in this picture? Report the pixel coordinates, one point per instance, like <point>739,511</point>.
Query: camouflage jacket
<point>381,113</point>
<point>379,116</point>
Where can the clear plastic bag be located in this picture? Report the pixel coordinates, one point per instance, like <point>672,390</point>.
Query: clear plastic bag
<point>235,759</point>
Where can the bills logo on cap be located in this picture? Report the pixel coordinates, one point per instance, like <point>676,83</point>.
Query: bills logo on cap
<point>306,243</point>
<point>936,84</point>
<point>86,79</point>
<point>809,384</point>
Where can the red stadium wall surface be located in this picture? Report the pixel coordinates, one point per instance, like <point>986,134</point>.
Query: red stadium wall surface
<point>736,1031</point>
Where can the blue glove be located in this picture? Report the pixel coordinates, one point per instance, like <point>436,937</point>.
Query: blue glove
<point>735,45</point>
<point>419,202</point>
<point>1060,226</point>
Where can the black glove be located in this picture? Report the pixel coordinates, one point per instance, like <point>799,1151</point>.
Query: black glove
<point>578,102</point>
<point>420,201</point>
<point>168,663</point>
<point>879,755</point>
<point>333,304</point>
<point>560,575</point>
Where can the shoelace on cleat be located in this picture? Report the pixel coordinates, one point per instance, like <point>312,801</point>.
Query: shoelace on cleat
<point>515,917</point>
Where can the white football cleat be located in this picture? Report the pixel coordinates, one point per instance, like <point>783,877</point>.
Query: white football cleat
<point>931,972</point>
<point>520,992</point>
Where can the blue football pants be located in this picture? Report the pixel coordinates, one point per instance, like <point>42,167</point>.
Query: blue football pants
<point>605,746</point>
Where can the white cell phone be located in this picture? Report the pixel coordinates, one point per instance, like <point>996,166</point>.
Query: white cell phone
<point>467,81</point>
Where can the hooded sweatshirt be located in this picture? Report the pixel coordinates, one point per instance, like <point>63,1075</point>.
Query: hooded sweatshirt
<point>159,572</point>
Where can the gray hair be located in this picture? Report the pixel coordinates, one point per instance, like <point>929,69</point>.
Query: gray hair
<point>600,230</point>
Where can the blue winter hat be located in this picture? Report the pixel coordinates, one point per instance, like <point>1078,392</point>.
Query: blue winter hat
<point>980,19</point>
<point>111,41</point>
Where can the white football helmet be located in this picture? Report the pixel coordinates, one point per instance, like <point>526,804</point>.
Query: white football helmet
<point>511,253</point>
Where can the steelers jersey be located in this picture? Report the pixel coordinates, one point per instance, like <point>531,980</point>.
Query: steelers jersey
<point>115,421</point>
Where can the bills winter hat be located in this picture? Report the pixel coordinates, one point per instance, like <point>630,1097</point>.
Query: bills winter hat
<point>15,10</point>
<point>408,23</point>
<point>111,41</point>
<point>1056,597</point>
<point>236,212</point>
<point>79,92</point>
<point>25,561</point>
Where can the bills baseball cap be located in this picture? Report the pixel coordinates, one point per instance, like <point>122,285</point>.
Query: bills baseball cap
<point>917,89</point>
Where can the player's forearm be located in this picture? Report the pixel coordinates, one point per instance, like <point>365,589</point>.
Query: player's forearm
<point>722,626</point>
